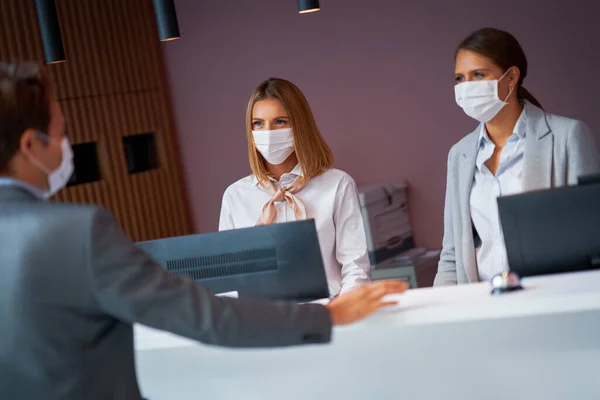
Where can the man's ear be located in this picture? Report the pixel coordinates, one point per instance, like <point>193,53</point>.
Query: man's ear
<point>28,141</point>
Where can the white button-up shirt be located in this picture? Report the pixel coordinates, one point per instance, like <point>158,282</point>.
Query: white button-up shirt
<point>331,199</point>
<point>491,255</point>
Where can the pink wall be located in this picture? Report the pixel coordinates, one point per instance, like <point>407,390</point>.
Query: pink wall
<point>378,75</point>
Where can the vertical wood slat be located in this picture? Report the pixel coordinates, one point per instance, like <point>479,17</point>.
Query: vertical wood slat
<point>148,53</point>
<point>172,154</point>
<point>112,85</point>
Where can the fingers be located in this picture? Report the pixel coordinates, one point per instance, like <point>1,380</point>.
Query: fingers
<point>382,304</point>
<point>363,301</point>
<point>379,289</point>
<point>385,304</point>
<point>392,286</point>
<point>373,307</point>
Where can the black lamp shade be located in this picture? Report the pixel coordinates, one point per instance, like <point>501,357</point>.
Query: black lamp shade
<point>307,6</point>
<point>166,17</point>
<point>50,31</point>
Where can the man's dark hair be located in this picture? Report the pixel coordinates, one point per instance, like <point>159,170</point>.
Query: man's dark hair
<point>24,104</point>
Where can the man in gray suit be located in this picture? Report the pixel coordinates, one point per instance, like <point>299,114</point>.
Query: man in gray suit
<point>72,283</point>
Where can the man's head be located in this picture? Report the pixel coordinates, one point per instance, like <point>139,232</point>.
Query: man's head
<point>31,125</point>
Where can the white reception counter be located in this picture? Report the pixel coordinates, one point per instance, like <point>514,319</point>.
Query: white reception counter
<point>438,343</point>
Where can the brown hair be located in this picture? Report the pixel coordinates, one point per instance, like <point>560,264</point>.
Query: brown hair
<point>314,155</point>
<point>24,97</point>
<point>503,50</point>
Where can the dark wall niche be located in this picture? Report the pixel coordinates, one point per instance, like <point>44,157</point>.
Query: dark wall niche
<point>140,152</point>
<point>85,160</point>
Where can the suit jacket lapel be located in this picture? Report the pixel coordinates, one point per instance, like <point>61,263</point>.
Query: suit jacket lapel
<point>466,174</point>
<point>539,149</point>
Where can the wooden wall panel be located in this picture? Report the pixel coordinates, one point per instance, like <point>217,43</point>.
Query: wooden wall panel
<point>112,85</point>
<point>111,47</point>
<point>19,32</point>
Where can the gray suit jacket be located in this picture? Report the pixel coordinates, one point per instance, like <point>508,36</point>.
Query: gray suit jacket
<point>72,284</point>
<point>557,151</point>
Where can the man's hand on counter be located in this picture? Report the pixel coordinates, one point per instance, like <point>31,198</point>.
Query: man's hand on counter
<point>363,301</point>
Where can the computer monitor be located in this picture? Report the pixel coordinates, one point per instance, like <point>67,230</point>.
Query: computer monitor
<point>588,179</point>
<point>552,231</point>
<point>272,262</point>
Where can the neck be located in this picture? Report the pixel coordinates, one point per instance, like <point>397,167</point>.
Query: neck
<point>501,127</point>
<point>287,166</point>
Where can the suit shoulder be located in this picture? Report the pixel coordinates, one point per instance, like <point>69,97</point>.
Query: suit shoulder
<point>58,221</point>
<point>562,126</point>
<point>74,210</point>
<point>76,214</point>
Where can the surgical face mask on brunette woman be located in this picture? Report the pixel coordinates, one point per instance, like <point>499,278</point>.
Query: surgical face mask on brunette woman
<point>479,99</point>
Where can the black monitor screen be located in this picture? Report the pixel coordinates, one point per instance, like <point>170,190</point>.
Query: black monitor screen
<point>273,262</point>
<point>552,231</point>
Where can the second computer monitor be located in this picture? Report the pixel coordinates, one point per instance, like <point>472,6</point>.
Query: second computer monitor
<point>552,231</point>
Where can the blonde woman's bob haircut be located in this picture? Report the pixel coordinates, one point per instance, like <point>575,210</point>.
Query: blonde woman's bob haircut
<point>314,155</point>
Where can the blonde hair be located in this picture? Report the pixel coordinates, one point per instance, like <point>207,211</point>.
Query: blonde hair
<point>314,155</point>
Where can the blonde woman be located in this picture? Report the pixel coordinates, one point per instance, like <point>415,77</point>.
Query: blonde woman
<point>293,178</point>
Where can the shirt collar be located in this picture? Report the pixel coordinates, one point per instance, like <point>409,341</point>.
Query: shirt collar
<point>12,182</point>
<point>483,135</point>
<point>297,171</point>
<point>519,129</point>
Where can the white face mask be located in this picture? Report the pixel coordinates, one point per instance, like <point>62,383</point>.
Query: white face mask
<point>275,146</point>
<point>58,178</point>
<point>479,99</point>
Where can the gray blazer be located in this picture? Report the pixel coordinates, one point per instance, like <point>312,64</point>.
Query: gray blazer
<point>72,284</point>
<point>557,151</point>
